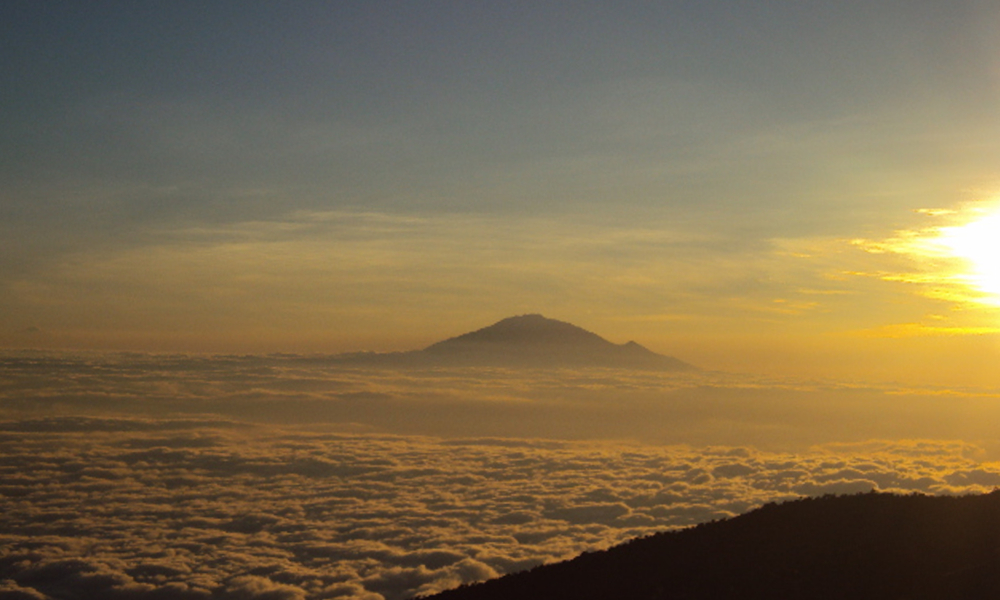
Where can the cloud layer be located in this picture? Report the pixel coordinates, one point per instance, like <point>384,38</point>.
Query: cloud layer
<point>140,508</point>
<point>149,476</point>
<point>598,404</point>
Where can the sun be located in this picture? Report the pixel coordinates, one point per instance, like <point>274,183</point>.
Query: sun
<point>977,244</point>
<point>957,261</point>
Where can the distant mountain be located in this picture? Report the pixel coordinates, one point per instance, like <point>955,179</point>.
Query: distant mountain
<point>531,341</point>
<point>863,547</point>
<point>536,340</point>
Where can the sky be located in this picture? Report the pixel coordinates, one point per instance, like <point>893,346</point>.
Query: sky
<point>767,187</point>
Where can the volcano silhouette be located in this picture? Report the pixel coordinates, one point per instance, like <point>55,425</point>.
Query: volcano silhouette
<point>530,341</point>
<point>536,341</point>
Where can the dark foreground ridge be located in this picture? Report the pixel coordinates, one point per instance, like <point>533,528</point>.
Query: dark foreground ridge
<point>531,341</point>
<point>867,546</point>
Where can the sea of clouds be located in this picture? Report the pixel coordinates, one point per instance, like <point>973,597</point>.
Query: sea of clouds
<point>136,476</point>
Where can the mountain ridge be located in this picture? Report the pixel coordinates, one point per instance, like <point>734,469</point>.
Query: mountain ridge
<point>864,547</point>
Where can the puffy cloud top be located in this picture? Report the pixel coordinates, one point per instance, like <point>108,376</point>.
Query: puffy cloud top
<point>114,508</point>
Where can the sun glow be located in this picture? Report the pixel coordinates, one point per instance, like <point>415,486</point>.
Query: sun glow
<point>977,243</point>
<point>957,261</point>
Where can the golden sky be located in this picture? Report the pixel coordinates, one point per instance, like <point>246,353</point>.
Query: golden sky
<point>804,190</point>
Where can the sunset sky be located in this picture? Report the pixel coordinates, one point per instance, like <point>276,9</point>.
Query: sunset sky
<point>802,188</point>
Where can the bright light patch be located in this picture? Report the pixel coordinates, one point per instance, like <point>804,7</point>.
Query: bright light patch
<point>956,261</point>
<point>978,244</point>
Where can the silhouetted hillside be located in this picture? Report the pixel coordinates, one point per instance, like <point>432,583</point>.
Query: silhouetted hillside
<point>534,341</point>
<point>868,546</point>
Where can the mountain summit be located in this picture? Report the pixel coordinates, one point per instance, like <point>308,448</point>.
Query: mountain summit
<point>528,330</point>
<point>533,340</point>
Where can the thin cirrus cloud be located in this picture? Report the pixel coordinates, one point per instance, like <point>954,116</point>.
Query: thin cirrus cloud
<point>312,279</point>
